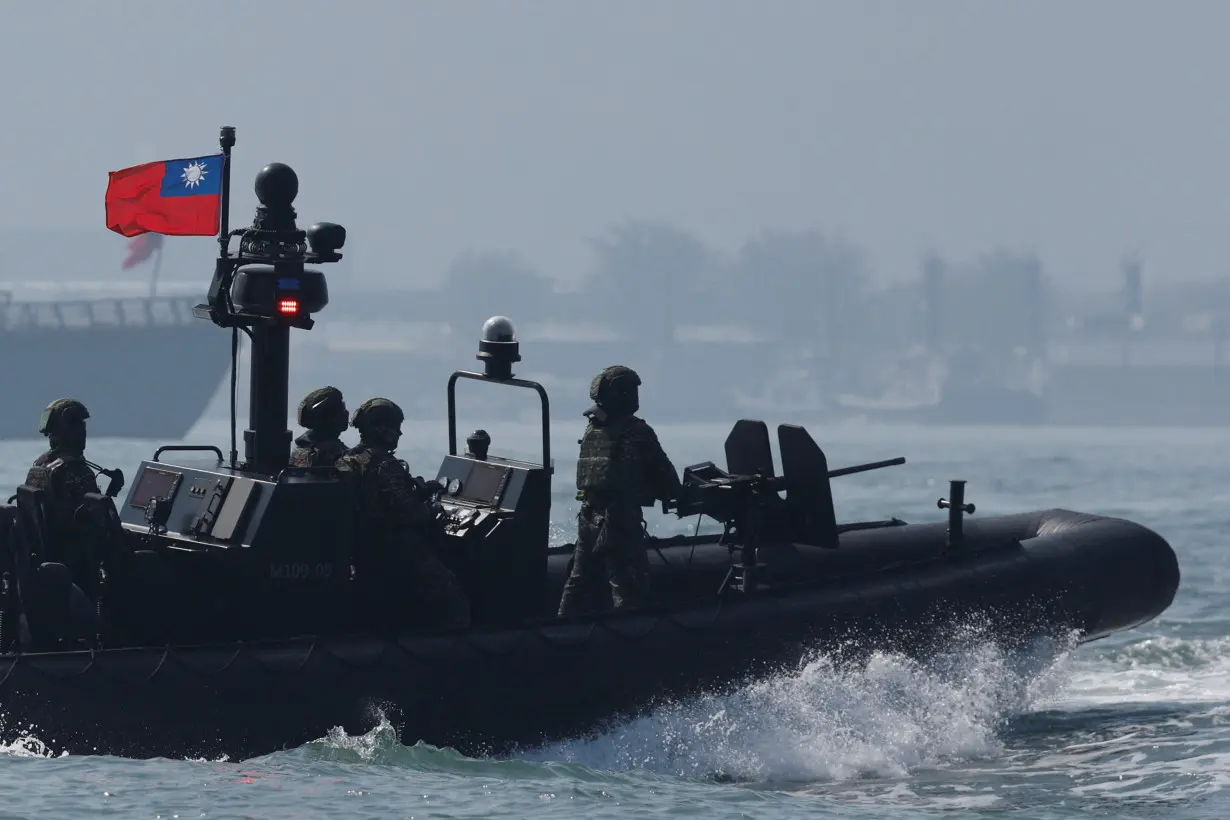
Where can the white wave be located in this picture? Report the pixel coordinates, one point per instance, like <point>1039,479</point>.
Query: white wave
<point>1163,669</point>
<point>829,721</point>
<point>25,742</point>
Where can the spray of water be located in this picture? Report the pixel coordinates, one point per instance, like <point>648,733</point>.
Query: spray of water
<point>831,720</point>
<point>25,741</point>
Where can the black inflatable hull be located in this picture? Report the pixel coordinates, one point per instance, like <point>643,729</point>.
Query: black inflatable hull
<point>492,690</point>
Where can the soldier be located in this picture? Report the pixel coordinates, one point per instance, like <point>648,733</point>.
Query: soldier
<point>62,472</point>
<point>621,468</point>
<point>323,413</point>
<point>65,476</point>
<point>396,521</point>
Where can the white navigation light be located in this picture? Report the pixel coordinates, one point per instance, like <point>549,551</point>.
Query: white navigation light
<point>499,329</point>
<point>498,348</point>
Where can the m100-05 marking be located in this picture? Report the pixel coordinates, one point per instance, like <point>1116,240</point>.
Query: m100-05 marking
<point>300,572</point>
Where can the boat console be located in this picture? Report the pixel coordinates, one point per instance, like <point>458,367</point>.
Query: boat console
<point>294,530</point>
<point>499,509</point>
<point>287,537</point>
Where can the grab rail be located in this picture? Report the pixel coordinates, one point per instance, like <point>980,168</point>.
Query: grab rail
<point>196,448</point>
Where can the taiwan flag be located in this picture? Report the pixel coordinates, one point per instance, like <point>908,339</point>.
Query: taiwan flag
<point>176,197</point>
<point>141,248</point>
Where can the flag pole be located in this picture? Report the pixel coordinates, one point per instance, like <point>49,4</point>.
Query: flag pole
<point>226,139</point>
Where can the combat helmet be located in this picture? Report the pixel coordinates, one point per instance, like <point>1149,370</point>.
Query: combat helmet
<point>323,408</point>
<point>61,415</point>
<point>377,412</point>
<point>615,389</point>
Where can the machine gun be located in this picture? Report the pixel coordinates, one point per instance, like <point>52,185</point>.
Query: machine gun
<point>745,498</point>
<point>709,490</point>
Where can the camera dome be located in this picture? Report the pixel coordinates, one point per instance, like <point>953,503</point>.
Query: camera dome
<point>277,185</point>
<point>499,329</point>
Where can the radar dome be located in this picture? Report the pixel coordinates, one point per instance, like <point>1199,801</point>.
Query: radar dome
<point>499,329</point>
<point>277,185</point>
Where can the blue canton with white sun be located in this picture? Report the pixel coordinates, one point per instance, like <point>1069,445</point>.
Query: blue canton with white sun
<point>194,174</point>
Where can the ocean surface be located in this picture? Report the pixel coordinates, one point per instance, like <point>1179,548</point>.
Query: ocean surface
<point>1131,727</point>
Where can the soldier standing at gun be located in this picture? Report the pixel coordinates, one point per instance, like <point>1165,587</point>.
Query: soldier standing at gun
<point>621,468</point>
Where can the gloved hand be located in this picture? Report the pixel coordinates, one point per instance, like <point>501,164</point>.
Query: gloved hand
<point>115,483</point>
<point>428,489</point>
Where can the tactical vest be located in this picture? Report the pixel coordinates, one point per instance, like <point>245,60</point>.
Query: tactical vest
<point>359,465</point>
<point>39,477</point>
<point>599,470</point>
<point>62,527</point>
<point>355,462</point>
<point>42,476</point>
<point>353,468</point>
<point>375,534</point>
<point>310,453</point>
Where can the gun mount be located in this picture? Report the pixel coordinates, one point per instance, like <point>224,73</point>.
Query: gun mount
<point>745,498</point>
<point>956,506</point>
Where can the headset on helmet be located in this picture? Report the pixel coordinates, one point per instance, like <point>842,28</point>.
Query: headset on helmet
<point>378,412</point>
<point>61,414</point>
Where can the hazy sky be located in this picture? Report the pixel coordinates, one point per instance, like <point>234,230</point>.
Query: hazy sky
<point>1076,127</point>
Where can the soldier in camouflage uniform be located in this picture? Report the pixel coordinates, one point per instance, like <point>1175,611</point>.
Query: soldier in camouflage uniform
<point>65,477</point>
<point>323,413</point>
<point>621,468</point>
<point>397,523</point>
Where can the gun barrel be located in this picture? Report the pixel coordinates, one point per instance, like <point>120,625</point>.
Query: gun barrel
<point>863,468</point>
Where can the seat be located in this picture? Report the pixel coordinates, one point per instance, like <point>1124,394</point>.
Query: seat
<point>101,520</point>
<point>32,508</point>
<point>55,609</point>
<point>137,594</point>
<point>8,526</point>
<point>9,605</point>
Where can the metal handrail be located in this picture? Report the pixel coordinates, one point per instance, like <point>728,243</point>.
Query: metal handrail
<point>80,314</point>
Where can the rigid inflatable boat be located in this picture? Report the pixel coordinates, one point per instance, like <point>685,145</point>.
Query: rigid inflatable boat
<point>231,618</point>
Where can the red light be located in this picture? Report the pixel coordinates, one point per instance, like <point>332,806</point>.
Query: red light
<point>288,306</point>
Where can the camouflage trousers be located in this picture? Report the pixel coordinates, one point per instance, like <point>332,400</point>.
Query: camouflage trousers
<point>610,544</point>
